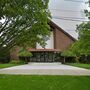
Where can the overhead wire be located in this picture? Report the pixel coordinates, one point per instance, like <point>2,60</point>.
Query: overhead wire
<point>63,10</point>
<point>69,19</point>
<point>78,1</point>
<point>75,19</point>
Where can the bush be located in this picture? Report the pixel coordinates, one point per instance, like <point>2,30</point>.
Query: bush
<point>85,59</point>
<point>24,55</point>
<point>68,56</point>
<point>24,59</point>
<point>5,58</point>
<point>17,62</point>
<point>68,59</point>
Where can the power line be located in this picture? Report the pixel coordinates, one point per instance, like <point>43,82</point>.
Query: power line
<point>63,10</point>
<point>78,1</point>
<point>70,19</point>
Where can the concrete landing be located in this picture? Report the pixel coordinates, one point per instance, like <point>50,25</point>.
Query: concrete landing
<point>45,69</point>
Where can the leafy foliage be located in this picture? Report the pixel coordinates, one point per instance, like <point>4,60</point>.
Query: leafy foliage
<point>22,22</point>
<point>16,62</point>
<point>24,53</point>
<point>68,53</point>
<point>82,46</point>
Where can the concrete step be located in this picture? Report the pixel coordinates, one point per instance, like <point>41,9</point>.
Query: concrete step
<point>44,64</point>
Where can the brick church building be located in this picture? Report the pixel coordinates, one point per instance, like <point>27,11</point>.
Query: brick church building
<point>59,41</point>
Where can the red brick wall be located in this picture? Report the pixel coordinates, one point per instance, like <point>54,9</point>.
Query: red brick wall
<point>61,40</point>
<point>14,53</point>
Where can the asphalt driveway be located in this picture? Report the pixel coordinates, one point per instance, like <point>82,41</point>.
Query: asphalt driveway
<point>45,69</point>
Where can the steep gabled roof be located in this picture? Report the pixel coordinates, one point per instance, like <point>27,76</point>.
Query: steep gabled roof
<point>52,24</point>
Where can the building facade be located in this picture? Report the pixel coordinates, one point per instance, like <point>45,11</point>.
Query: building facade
<point>58,41</point>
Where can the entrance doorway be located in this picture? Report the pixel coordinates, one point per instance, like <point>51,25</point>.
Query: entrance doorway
<point>44,56</point>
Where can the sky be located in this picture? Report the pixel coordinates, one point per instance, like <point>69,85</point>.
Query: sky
<point>67,14</point>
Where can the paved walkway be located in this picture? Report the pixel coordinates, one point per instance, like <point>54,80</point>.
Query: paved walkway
<point>45,69</point>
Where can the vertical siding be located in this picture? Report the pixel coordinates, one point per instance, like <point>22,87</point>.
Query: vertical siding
<point>62,41</point>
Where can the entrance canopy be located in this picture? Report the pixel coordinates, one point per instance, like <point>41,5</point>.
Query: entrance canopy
<point>44,50</point>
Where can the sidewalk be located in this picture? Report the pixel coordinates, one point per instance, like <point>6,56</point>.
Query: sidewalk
<point>45,69</point>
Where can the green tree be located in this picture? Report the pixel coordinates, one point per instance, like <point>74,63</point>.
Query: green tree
<point>25,54</point>
<point>82,46</point>
<point>22,22</point>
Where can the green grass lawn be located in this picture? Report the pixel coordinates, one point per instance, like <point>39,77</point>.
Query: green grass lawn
<point>16,82</point>
<point>7,65</point>
<point>87,66</point>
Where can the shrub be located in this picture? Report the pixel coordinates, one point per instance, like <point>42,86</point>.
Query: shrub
<point>5,58</point>
<point>85,59</point>
<point>68,56</point>
<point>17,62</point>
<point>24,55</point>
